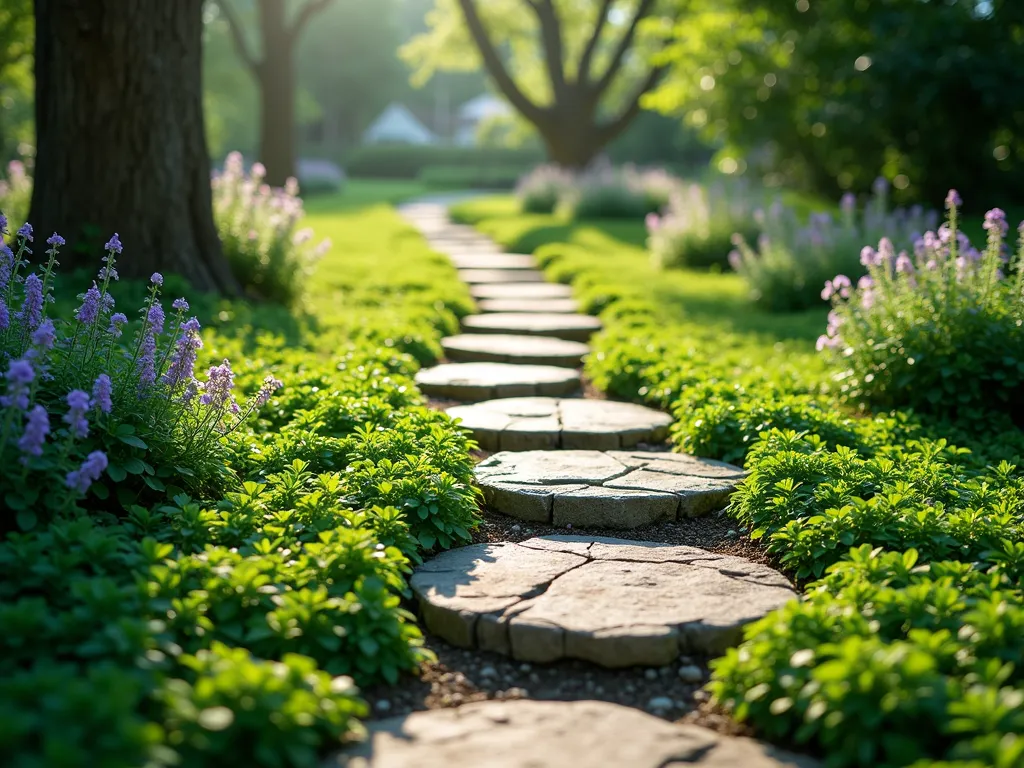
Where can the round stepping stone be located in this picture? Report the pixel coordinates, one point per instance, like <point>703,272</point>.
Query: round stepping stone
<point>526,350</point>
<point>560,306</point>
<point>611,489</point>
<point>485,381</point>
<point>552,734</point>
<point>477,260</point>
<point>612,602</point>
<point>539,423</point>
<point>463,247</point>
<point>571,327</point>
<point>521,291</point>
<point>495,276</point>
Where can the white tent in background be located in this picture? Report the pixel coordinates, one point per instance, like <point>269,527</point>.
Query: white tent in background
<point>397,125</point>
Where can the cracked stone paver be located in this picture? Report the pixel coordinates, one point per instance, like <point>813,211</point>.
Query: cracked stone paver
<point>552,734</point>
<point>503,261</point>
<point>539,423</point>
<point>610,489</point>
<point>559,306</point>
<point>508,348</point>
<point>571,327</point>
<point>612,602</point>
<point>486,381</point>
<point>498,276</point>
<point>521,291</point>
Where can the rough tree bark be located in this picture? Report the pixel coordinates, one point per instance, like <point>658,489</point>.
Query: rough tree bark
<point>120,137</point>
<point>274,73</point>
<point>572,129</point>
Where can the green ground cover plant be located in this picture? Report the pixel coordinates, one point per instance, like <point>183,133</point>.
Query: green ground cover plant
<point>235,619</point>
<point>905,526</point>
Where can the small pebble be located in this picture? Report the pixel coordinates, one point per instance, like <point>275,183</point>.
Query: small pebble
<point>702,695</point>
<point>731,534</point>
<point>691,673</point>
<point>534,677</point>
<point>525,667</point>
<point>383,705</point>
<point>660,704</point>
<point>516,528</point>
<point>651,674</point>
<point>488,672</point>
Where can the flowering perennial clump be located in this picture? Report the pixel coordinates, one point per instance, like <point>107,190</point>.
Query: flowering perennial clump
<point>940,329</point>
<point>258,228</point>
<point>77,402</point>
<point>541,190</point>
<point>791,259</point>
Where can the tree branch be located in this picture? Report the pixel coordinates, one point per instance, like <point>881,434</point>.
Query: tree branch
<point>642,10</point>
<point>551,37</point>
<point>587,59</point>
<point>307,12</point>
<point>495,66</point>
<point>610,130</point>
<point>238,38</point>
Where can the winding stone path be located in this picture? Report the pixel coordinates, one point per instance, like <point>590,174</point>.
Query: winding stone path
<point>539,423</point>
<point>525,350</point>
<point>571,327</point>
<point>478,260</point>
<point>612,602</point>
<point>498,276</point>
<point>521,291</point>
<point>559,306</point>
<point>485,381</point>
<point>552,734</point>
<point>611,489</point>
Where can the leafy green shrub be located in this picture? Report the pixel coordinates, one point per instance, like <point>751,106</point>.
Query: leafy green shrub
<point>541,190</point>
<point>606,192</point>
<point>941,332</point>
<point>257,225</point>
<point>887,662</point>
<point>83,412</point>
<point>317,176</point>
<point>400,161</point>
<point>792,261</point>
<point>457,177</point>
<point>16,192</point>
<point>696,228</point>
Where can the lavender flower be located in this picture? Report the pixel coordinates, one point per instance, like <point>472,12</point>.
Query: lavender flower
<point>117,320</point>
<point>155,319</point>
<point>156,278</point>
<point>218,387</point>
<point>101,390</point>
<point>55,240</point>
<point>839,285</point>
<point>183,359</point>
<point>114,244</point>
<point>19,376</point>
<point>107,272</point>
<point>3,224</point>
<point>5,317</point>
<point>44,336</point>
<point>995,220</point>
<point>270,386</point>
<point>180,304</point>
<point>953,199</point>
<point>90,309</point>
<point>80,479</point>
<point>192,389</point>
<point>886,251</point>
<point>904,264</point>
<point>26,232</point>
<point>36,430</point>
<point>78,406</point>
<point>869,256</point>
<point>146,364</point>
<point>32,307</point>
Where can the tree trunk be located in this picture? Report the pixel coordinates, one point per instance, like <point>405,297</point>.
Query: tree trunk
<point>120,138</point>
<point>277,94</point>
<point>571,135</point>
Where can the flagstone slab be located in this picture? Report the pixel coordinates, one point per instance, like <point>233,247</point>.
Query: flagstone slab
<point>603,489</point>
<point>552,734</point>
<point>477,260</point>
<point>502,348</point>
<point>571,327</point>
<point>521,291</point>
<point>498,276</point>
<point>613,602</point>
<point>547,423</point>
<point>544,306</point>
<point>486,381</point>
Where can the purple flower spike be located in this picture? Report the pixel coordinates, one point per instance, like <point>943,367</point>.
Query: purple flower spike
<point>156,278</point>
<point>995,220</point>
<point>270,386</point>
<point>101,390</point>
<point>55,240</point>
<point>114,244</point>
<point>953,199</point>
<point>36,430</point>
<point>44,336</point>
<point>3,224</point>
<point>869,256</point>
<point>19,375</point>
<point>146,365</point>
<point>26,232</point>
<point>32,308</point>
<point>117,320</point>
<point>180,304</point>
<point>78,406</point>
<point>155,318</point>
<point>90,309</point>
<point>183,360</point>
<point>80,479</point>
<point>218,387</point>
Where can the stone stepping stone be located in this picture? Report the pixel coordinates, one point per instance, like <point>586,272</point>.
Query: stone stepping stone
<point>496,276</point>
<point>485,381</point>
<point>477,260</point>
<point>552,734</point>
<point>611,489</point>
<point>539,423</point>
<point>544,306</point>
<point>613,602</point>
<point>525,350</point>
<point>521,291</point>
<point>571,327</point>
<point>464,246</point>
